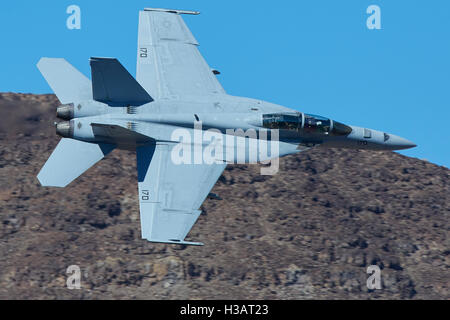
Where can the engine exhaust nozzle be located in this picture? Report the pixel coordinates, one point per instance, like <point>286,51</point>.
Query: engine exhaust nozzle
<point>65,129</point>
<point>66,111</point>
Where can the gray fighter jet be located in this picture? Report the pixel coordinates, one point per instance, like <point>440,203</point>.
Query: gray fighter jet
<point>181,123</point>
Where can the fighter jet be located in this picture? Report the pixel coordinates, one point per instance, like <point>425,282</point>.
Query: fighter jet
<point>164,115</point>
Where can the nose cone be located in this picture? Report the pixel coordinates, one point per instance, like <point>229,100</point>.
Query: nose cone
<point>398,143</point>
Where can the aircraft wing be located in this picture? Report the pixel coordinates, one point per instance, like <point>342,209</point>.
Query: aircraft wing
<point>169,64</point>
<point>170,195</point>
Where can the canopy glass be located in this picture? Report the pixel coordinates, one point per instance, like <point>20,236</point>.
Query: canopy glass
<point>305,123</point>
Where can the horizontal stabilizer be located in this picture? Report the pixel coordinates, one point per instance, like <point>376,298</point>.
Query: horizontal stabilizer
<point>70,159</point>
<point>114,85</point>
<point>69,84</point>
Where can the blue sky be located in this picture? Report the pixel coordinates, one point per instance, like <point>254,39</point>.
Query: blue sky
<point>315,56</point>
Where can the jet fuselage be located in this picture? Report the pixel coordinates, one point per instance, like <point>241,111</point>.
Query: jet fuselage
<point>224,114</point>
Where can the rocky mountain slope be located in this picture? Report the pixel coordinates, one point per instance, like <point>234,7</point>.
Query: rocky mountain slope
<point>309,232</point>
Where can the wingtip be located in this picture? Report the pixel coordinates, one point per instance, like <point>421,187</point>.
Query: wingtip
<point>102,58</point>
<point>179,242</point>
<point>46,184</point>
<point>175,11</point>
<point>44,60</point>
<point>40,62</point>
<point>41,180</point>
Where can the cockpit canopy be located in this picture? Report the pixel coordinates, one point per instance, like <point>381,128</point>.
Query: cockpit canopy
<point>305,123</point>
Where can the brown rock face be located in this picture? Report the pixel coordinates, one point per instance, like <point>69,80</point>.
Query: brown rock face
<point>309,232</point>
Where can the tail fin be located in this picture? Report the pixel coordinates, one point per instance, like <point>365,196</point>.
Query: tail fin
<point>114,85</point>
<point>67,83</point>
<point>69,160</point>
